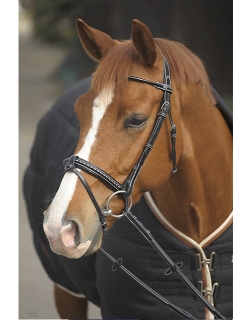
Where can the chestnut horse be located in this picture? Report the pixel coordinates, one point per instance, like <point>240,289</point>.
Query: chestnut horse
<point>186,178</point>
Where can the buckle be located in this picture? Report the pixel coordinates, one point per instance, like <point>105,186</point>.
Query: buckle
<point>205,262</point>
<point>208,292</point>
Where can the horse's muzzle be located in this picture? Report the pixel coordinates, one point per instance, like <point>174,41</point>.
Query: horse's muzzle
<point>67,238</point>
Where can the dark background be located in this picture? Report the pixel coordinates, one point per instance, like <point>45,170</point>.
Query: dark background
<point>206,27</point>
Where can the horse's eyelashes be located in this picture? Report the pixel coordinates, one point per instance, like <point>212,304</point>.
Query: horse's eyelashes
<point>136,121</point>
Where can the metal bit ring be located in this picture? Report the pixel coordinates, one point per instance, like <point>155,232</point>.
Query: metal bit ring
<point>108,212</point>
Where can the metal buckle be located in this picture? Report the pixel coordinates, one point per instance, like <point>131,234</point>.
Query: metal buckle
<point>208,292</point>
<point>205,262</point>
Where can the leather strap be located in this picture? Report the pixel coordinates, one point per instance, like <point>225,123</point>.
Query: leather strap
<point>118,265</point>
<point>76,162</point>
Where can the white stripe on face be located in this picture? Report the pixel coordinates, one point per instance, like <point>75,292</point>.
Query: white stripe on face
<point>66,190</point>
<point>99,108</point>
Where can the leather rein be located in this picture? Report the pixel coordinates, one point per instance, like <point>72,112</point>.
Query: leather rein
<point>73,163</point>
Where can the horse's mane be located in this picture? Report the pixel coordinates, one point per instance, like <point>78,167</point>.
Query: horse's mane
<point>185,66</point>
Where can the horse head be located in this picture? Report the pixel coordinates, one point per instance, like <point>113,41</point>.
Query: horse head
<point>117,117</point>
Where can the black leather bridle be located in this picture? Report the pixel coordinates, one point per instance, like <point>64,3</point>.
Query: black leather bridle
<point>74,162</point>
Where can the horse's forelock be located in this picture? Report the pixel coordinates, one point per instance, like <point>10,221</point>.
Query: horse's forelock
<point>114,68</point>
<point>185,66</point>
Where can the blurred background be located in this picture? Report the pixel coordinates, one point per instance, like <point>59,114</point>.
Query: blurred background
<point>51,59</point>
<point>204,26</point>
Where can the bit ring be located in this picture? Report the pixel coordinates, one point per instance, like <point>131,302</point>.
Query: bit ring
<point>128,204</point>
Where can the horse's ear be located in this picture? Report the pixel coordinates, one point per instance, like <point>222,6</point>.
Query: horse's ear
<point>95,42</point>
<point>144,42</point>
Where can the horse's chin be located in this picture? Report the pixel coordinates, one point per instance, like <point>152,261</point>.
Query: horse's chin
<point>77,251</point>
<point>71,253</point>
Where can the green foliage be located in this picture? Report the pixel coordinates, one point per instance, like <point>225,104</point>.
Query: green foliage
<point>55,20</point>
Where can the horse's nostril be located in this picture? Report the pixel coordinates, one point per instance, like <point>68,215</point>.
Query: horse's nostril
<point>77,238</point>
<point>71,229</point>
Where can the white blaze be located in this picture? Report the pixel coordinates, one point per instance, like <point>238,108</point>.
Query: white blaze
<point>99,108</point>
<point>59,205</point>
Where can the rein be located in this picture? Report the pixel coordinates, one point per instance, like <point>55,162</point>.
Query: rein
<point>74,163</point>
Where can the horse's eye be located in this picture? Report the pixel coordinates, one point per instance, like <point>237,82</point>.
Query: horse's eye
<point>137,121</point>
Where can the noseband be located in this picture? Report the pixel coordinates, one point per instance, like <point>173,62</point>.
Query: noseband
<point>74,162</point>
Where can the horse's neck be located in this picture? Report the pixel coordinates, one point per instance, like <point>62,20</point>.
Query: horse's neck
<point>198,198</point>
